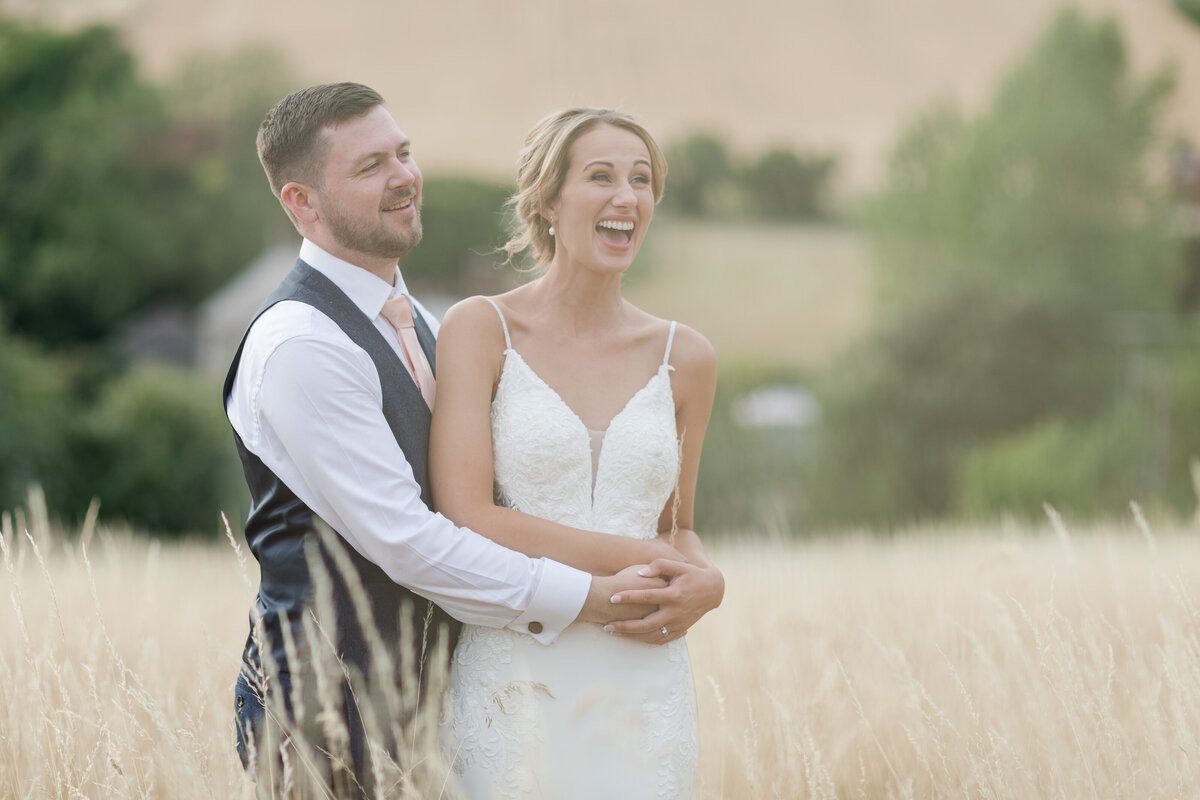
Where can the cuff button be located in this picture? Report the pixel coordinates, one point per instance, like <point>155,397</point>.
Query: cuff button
<point>535,628</point>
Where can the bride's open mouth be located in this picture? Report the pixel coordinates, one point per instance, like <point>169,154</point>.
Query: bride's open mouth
<point>616,232</point>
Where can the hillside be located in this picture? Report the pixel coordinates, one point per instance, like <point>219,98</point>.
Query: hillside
<point>467,79</point>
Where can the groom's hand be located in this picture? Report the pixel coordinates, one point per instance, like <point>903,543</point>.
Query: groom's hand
<point>661,548</point>
<point>599,606</point>
<point>691,592</point>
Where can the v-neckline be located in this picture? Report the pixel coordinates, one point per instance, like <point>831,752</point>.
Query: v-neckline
<point>582,425</point>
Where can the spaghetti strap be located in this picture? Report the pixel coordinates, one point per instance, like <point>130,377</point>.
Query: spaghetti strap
<point>670,339</point>
<point>504,323</point>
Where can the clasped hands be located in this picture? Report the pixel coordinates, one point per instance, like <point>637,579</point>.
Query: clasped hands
<point>672,592</point>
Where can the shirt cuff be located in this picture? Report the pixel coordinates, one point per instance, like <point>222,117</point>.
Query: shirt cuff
<point>556,603</point>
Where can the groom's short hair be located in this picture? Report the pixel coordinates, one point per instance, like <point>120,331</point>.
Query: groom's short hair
<point>290,145</point>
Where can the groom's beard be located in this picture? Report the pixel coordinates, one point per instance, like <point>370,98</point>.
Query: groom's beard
<point>373,238</point>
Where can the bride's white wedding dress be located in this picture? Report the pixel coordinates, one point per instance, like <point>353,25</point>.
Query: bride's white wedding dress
<point>591,715</point>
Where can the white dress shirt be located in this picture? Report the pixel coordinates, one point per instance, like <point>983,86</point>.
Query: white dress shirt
<point>307,401</point>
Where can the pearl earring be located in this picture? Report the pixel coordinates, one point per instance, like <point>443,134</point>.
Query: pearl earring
<point>551,226</point>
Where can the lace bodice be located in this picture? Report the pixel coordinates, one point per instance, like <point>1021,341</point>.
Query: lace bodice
<point>542,452</point>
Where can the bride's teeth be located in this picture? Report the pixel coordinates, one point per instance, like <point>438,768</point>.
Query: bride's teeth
<point>616,226</point>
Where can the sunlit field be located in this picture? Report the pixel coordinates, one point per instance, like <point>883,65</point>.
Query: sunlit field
<point>791,295</point>
<point>1000,662</point>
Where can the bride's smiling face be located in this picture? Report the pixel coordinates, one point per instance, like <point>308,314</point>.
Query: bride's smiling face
<point>606,201</point>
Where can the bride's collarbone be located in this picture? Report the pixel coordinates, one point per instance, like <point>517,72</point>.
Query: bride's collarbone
<point>596,373</point>
<point>597,388</point>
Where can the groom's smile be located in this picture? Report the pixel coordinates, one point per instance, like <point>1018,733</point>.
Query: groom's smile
<point>404,202</point>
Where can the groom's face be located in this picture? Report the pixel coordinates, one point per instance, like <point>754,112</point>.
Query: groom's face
<point>370,198</point>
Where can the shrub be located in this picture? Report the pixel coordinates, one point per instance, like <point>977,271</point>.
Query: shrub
<point>161,452</point>
<point>1087,471</point>
<point>36,411</point>
<point>464,222</point>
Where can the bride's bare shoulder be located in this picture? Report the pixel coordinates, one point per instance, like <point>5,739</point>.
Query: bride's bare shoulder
<point>474,320</point>
<point>692,351</point>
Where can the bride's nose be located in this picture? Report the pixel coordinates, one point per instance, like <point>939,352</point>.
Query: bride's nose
<point>625,197</point>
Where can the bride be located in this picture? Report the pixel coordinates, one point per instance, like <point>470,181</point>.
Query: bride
<point>561,402</point>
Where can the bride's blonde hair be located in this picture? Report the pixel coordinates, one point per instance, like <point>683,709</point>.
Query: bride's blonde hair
<point>542,168</point>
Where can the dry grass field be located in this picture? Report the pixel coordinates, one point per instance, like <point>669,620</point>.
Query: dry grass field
<point>1001,662</point>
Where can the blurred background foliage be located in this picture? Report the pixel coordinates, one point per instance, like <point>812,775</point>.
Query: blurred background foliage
<point>1028,273</point>
<point>1189,8</point>
<point>113,189</point>
<point>1033,336</point>
<point>113,185</point>
<point>705,180</point>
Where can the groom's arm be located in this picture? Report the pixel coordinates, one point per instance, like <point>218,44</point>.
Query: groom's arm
<point>308,403</point>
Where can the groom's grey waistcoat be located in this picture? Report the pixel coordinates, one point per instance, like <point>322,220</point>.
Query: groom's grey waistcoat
<point>281,526</point>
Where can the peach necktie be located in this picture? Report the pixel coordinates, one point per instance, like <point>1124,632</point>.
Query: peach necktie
<point>398,312</point>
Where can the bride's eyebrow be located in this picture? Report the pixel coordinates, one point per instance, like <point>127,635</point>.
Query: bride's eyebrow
<point>610,165</point>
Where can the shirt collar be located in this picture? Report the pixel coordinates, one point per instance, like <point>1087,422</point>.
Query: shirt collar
<point>363,288</point>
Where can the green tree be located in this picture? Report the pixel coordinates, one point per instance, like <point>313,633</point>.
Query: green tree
<point>1007,247</point>
<point>159,453</point>
<point>76,127</point>
<point>783,185</point>
<point>119,194</point>
<point>223,213</point>
<point>699,171</point>
<point>112,201</point>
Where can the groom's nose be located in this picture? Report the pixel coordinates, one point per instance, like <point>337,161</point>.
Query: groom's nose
<point>404,173</point>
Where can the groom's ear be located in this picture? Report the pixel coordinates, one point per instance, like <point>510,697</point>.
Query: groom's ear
<point>299,199</point>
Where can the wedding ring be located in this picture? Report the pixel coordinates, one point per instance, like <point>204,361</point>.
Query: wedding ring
<point>663,630</point>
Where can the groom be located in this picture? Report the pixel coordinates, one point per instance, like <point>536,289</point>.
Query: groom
<point>330,407</point>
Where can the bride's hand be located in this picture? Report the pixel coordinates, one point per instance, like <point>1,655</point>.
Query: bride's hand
<point>599,607</point>
<point>691,592</point>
